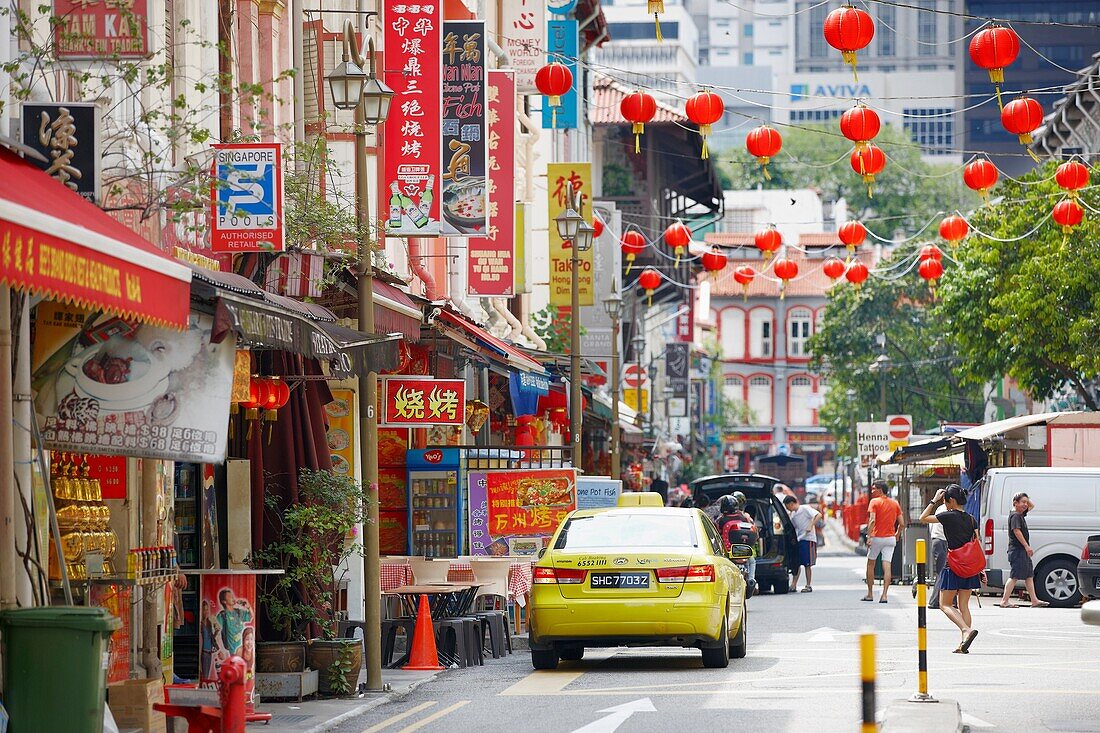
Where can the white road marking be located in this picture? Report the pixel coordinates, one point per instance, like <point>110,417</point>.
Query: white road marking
<point>975,722</point>
<point>617,715</point>
<point>398,718</point>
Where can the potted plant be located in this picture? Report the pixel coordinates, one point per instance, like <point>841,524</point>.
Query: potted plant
<point>313,539</point>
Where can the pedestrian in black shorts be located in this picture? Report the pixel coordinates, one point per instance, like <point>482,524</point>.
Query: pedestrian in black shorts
<point>958,528</point>
<point>1020,552</point>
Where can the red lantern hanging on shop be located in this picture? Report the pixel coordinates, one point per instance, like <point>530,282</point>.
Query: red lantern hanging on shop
<point>649,280</point>
<point>1072,176</point>
<point>868,163</point>
<point>278,393</point>
<point>1022,116</point>
<point>931,270</point>
<point>860,125</point>
<point>768,241</point>
<point>833,268</point>
<point>553,81</point>
<point>980,175</point>
<point>786,270</point>
<point>678,237</point>
<point>993,48</point>
<point>744,276</point>
<point>714,260</point>
<point>632,244</point>
<point>764,143</point>
<point>849,30</point>
<point>954,229</point>
<point>1067,214</point>
<point>930,252</point>
<point>704,109</point>
<point>856,273</point>
<point>852,234</point>
<point>638,108</point>
<point>258,390</point>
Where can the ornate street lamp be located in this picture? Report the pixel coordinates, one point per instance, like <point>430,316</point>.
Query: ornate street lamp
<point>613,306</point>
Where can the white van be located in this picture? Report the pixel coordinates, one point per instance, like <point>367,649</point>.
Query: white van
<point>1067,511</point>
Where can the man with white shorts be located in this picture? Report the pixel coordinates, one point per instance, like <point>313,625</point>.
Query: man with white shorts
<point>885,522</point>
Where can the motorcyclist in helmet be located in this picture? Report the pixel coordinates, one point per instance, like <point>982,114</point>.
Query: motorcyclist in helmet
<point>737,528</point>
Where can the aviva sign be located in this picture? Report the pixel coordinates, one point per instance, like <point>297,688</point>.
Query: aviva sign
<point>800,92</point>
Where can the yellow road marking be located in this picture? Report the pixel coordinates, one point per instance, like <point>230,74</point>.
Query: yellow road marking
<point>433,717</point>
<point>552,682</point>
<point>398,718</point>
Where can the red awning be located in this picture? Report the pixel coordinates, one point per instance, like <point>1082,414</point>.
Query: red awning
<point>56,244</point>
<point>473,336</point>
<point>395,311</point>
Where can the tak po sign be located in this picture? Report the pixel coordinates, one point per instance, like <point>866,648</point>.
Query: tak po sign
<point>417,402</point>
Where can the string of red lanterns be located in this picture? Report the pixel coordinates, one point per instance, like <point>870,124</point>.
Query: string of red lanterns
<point>764,143</point>
<point>849,30</point>
<point>1072,176</point>
<point>993,48</point>
<point>704,109</point>
<point>980,175</point>
<point>768,241</point>
<point>786,270</point>
<point>954,229</point>
<point>638,108</point>
<point>650,280</point>
<point>1067,214</point>
<point>860,124</point>
<point>868,163</point>
<point>714,261</point>
<point>1022,116</point>
<point>833,268</point>
<point>744,275</point>
<point>851,234</point>
<point>633,244</point>
<point>553,81</point>
<point>678,237</point>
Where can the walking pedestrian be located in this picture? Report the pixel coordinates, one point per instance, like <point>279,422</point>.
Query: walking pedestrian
<point>885,522</point>
<point>1020,552</point>
<point>959,529</point>
<point>939,559</point>
<point>804,518</point>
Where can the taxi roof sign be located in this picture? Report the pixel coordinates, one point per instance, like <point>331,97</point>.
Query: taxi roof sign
<point>641,498</point>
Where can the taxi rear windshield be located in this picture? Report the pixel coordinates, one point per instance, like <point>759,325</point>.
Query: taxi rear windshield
<point>621,531</point>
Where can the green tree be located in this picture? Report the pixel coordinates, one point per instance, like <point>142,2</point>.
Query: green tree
<point>552,324</point>
<point>920,380</point>
<point>1023,298</point>
<point>904,196</point>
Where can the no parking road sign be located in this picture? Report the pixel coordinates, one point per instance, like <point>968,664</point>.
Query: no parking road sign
<point>247,198</point>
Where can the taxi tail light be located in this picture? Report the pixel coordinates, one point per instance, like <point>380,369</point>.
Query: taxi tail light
<point>683,574</point>
<point>565,576</point>
<point>700,574</point>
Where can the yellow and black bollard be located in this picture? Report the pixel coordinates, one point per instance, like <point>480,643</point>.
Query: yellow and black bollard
<point>867,678</point>
<point>922,626</point>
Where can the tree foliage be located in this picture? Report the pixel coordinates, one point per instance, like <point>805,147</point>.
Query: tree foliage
<point>1023,299</point>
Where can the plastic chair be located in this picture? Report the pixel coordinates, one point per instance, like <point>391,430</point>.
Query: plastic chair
<point>429,572</point>
<point>492,577</point>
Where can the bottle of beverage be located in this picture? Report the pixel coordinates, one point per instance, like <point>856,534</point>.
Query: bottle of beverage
<point>419,219</point>
<point>427,197</point>
<point>395,206</point>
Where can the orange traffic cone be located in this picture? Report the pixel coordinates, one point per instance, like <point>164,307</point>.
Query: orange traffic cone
<point>424,655</point>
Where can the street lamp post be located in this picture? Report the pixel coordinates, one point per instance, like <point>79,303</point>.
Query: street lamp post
<point>638,343</point>
<point>572,227</point>
<point>613,304</point>
<point>352,88</point>
<point>854,467</point>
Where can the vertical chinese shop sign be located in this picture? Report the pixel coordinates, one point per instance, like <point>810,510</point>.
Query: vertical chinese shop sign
<point>560,178</point>
<point>465,194</point>
<point>413,139</point>
<point>491,259</point>
<point>561,46</point>
<point>523,37</point>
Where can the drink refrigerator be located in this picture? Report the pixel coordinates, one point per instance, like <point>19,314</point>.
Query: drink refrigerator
<point>436,502</point>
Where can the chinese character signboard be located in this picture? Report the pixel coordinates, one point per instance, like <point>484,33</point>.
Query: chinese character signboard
<point>524,36</point>
<point>413,135</point>
<point>525,503</point>
<point>246,197</point>
<point>416,402</point>
<point>560,178</point>
<point>111,387</point>
<point>68,136</point>
<point>562,47</point>
<point>92,29</point>
<point>491,259</point>
<point>465,192</point>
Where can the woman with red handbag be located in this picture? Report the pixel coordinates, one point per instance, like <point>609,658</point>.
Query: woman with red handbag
<point>965,559</point>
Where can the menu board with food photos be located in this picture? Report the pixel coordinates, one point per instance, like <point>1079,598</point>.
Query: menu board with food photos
<point>341,435</point>
<point>516,512</point>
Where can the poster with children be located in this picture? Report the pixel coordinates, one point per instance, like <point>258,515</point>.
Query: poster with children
<point>227,626</point>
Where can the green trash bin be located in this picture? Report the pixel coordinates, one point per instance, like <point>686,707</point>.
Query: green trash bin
<point>55,667</point>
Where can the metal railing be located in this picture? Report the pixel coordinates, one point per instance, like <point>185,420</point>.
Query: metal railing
<point>486,458</point>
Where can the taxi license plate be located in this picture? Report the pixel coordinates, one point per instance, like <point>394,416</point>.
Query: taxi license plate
<point>1097,582</point>
<point>620,580</point>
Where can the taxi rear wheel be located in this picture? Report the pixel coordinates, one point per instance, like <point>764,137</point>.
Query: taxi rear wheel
<point>739,647</point>
<point>718,656</point>
<point>547,659</point>
<point>572,653</point>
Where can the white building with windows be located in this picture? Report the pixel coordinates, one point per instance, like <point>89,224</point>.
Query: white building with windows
<point>634,55</point>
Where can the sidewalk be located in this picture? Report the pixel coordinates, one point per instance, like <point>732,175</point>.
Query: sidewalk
<point>317,716</point>
<point>835,529</point>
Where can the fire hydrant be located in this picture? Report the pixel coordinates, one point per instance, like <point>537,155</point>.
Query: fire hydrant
<point>230,717</point>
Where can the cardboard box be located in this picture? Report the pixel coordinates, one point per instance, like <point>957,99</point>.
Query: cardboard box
<point>132,704</point>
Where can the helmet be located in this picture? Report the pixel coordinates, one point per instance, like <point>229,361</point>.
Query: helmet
<point>727,505</point>
<point>740,499</point>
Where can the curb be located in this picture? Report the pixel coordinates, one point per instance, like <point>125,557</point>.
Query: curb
<point>382,699</point>
<point>903,716</point>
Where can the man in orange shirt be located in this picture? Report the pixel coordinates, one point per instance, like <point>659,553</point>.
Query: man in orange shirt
<point>884,526</point>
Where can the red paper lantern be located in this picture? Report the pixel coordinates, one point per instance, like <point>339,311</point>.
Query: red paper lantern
<point>993,48</point>
<point>1021,117</point>
<point>764,143</point>
<point>930,252</point>
<point>860,125</point>
<point>1067,214</point>
<point>714,260</point>
<point>849,30</point>
<point>768,241</point>
<point>678,237</point>
<point>638,108</point>
<point>744,276</point>
<point>833,268</point>
<point>857,273</point>
<point>954,229</point>
<point>278,393</point>
<point>597,226</point>
<point>632,244</point>
<point>553,80</point>
<point>851,234</point>
<point>650,280</point>
<point>868,163</point>
<point>1072,176</point>
<point>980,175</point>
<point>931,270</point>
<point>704,109</point>
<point>786,270</point>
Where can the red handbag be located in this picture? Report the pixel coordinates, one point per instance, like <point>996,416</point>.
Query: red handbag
<point>968,560</point>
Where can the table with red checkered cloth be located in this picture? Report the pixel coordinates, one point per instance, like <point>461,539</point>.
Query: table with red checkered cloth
<point>519,578</point>
<point>394,575</point>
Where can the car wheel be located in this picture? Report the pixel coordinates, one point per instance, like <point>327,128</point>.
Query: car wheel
<point>1056,583</point>
<point>572,653</point>
<point>782,586</point>
<point>718,656</point>
<point>739,647</point>
<point>763,586</point>
<point>544,659</point>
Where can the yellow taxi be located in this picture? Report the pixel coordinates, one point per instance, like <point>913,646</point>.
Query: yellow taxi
<point>639,574</point>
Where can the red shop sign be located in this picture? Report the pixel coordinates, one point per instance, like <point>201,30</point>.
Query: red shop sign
<point>111,473</point>
<point>491,259</point>
<point>417,402</point>
<point>412,170</point>
<point>89,29</point>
